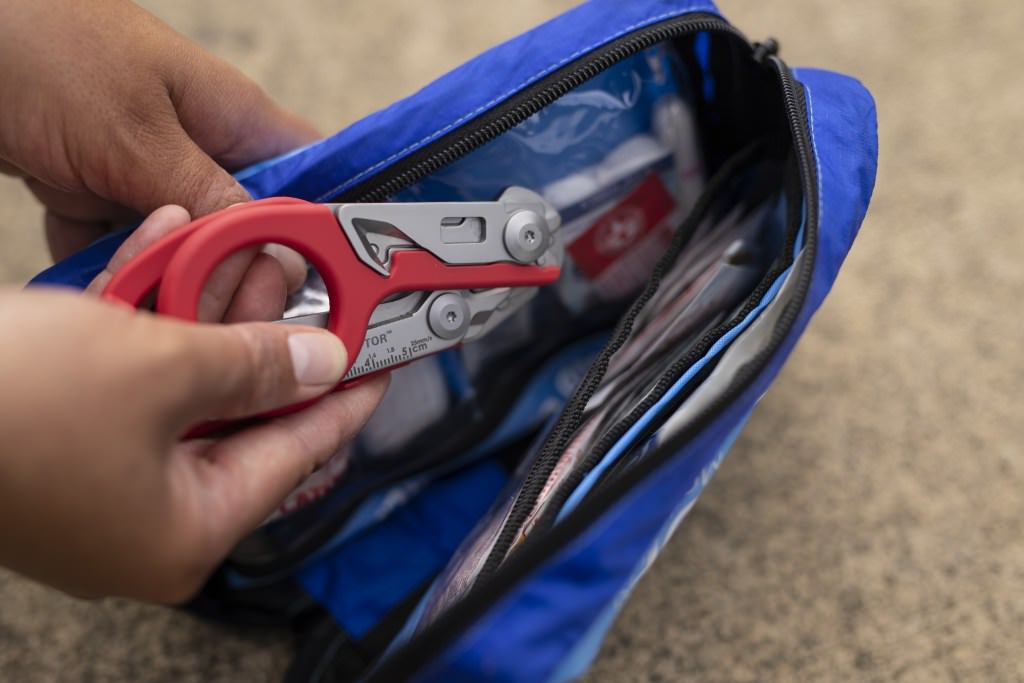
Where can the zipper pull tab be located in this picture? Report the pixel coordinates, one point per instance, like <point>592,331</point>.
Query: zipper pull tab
<point>769,48</point>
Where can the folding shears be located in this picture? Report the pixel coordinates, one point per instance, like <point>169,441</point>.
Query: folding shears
<point>404,280</point>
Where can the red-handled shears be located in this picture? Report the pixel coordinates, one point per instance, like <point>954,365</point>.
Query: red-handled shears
<point>404,280</point>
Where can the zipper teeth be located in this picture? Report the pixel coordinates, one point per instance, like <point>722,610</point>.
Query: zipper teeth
<point>676,370</point>
<point>382,189</point>
<point>572,415</point>
<point>658,391</point>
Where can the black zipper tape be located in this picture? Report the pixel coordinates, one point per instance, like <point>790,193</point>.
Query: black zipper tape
<point>572,415</point>
<point>793,191</point>
<point>522,106</point>
<point>408,660</point>
<point>673,373</point>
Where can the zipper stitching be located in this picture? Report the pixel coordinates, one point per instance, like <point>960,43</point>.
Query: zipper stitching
<point>507,116</point>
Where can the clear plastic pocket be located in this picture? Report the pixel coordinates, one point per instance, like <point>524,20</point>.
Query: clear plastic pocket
<point>620,158</point>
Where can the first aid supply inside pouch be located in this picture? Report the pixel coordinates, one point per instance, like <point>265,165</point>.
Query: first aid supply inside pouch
<point>490,519</point>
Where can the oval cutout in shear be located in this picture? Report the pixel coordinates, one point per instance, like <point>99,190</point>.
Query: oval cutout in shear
<point>393,269</point>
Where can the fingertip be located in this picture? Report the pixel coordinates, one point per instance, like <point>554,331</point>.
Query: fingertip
<point>160,222</point>
<point>262,293</point>
<point>172,215</point>
<point>319,358</point>
<point>293,263</point>
<point>377,385</point>
<point>375,390</point>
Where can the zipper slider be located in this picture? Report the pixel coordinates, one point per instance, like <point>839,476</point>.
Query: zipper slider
<point>769,48</point>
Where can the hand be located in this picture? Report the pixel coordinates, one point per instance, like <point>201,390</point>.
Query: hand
<point>248,285</point>
<point>98,495</point>
<point>108,113</point>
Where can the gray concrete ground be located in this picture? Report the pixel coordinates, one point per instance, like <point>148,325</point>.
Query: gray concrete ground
<point>868,524</point>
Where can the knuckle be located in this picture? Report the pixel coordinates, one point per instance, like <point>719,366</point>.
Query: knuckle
<point>247,98</point>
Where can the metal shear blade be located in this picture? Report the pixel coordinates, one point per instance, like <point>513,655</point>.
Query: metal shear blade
<point>417,324</point>
<point>517,228</point>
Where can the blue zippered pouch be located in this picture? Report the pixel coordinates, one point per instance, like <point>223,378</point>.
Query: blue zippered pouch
<point>709,195</point>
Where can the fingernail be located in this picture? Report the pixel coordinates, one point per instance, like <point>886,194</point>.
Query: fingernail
<point>317,358</point>
<point>287,257</point>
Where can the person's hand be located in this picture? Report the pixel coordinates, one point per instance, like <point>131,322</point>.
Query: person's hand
<point>98,494</point>
<point>246,286</point>
<point>108,114</point>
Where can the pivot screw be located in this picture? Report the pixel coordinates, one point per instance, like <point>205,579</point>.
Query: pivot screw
<point>527,236</point>
<point>448,316</point>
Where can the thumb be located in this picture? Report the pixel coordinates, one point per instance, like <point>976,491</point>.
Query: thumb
<point>229,116</point>
<point>211,117</point>
<point>234,371</point>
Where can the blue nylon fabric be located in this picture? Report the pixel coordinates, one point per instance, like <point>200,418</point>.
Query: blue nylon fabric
<point>462,95</point>
<point>324,169</point>
<point>527,634</point>
<point>846,142</point>
<point>80,268</point>
<point>372,572</point>
<point>545,615</point>
<point>586,649</point>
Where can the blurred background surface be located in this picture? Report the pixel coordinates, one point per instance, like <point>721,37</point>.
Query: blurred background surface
<point>868,524</point>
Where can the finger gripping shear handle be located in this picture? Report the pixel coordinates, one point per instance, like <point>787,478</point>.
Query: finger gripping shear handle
<point>181,264</point>
<point>144,272</point>
<point>309,229</point>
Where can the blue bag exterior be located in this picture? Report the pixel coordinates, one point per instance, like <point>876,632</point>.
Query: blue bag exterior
<point>549,625</point>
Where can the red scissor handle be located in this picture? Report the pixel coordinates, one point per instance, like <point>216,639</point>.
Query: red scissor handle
<point>143,274</point>
<point>181,263</point>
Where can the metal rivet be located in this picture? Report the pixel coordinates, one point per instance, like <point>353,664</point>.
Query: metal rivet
<point>527,236</point>
<point>449,316</point>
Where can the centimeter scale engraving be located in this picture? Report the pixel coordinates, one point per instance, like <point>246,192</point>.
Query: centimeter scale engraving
<point>380,352</point>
